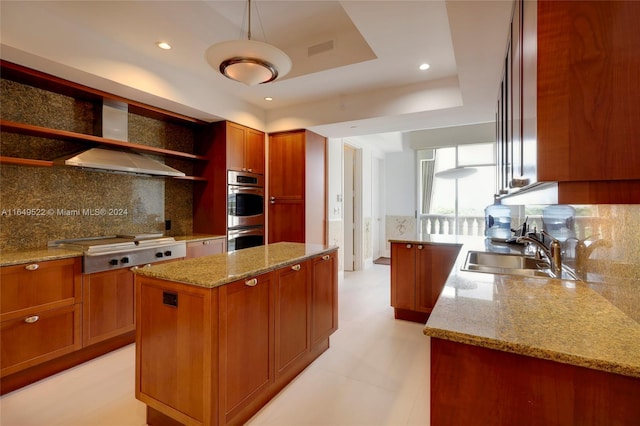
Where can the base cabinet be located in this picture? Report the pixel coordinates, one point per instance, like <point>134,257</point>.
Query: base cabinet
<point>418,274</point>
<point>216,356</point>
<point>41,304</point>
<point>206,247</point>
<point>472,385</point>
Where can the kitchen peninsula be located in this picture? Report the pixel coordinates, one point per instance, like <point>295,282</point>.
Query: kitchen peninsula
<point>508,349</point>
<point>218,336</point>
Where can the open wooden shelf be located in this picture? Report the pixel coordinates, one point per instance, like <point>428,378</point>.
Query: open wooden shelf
<point>44,132</point>
<point>25,162</point>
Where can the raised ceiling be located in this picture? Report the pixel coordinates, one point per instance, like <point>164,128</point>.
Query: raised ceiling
<point>355,63</point>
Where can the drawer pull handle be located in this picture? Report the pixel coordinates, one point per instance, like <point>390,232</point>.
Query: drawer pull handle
<point>252,282</point>
<point>409,246</point>
<point>326,257</point>
<point>296,267</point>
<point>32,319</point>
<point>32,267</point>
<point>206,243</point>
<point>419,246</point>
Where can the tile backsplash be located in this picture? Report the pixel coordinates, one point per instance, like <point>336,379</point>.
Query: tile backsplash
<point>41,204</point>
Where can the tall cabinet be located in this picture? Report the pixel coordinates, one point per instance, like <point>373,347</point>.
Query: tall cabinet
<point>228,146</point>
<point>297,187</point>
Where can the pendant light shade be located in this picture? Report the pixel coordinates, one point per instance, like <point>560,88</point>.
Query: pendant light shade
<point>456,173</point>
<point>248,61</point>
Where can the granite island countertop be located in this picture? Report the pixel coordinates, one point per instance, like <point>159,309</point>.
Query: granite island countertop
<point>219,269</point>
<point>593,325</point>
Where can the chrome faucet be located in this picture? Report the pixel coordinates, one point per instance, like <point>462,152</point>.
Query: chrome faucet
<point>583,252</point>
<point>553,253</point>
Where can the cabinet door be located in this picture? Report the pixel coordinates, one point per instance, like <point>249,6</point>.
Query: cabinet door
<point>205,248</point>
<point>108,305</point>
<point>287,166</point>
<point>286,221</point>
<point>235,146</point>
<point>403,269</point>
<point>293,300</point>
<point>254,151</point>
<point>33,339</point>
<point>433,266</point>
<point>324,297</point>
<point>39,286</point>
<point>174,360</point>
<point>246,343</point>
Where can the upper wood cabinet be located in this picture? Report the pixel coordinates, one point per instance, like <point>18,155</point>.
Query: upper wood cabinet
<point>297,187</point>
<point>228,146</point>
<point>576,102</point>
<point>245,149</point>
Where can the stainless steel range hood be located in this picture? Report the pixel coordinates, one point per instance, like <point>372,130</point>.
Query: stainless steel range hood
<point>114,126</point>
<point>118,161</point>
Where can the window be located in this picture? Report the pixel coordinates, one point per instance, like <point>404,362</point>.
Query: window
<point>456,205</point>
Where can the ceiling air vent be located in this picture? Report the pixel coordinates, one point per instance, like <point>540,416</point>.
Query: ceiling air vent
<point>320,48</point>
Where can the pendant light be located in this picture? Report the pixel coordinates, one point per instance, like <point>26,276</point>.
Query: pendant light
<point>248,61</point>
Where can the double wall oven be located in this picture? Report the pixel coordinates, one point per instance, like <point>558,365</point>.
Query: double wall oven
<point>245,210</point>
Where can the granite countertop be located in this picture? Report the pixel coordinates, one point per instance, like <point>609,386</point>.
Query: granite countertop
<point>9,258</point>
<point>593,325</point>
<point>218,269</point>
<point>197,237</point>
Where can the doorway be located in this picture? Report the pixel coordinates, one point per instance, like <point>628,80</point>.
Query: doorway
<point>349,155</point>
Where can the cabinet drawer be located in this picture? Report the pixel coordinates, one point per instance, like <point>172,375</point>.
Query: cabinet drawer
<point>30,340</point>
<point>39,286</point>
<point>205,248</point>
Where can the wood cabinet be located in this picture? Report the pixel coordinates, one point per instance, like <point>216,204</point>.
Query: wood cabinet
<point>246,344</point>
<point>297,187</point>
<point>228,146</point>
<point>472,385</point>
<point>293,309</point>
<point>108,305</point>
<point>577,100</point>
<point>418,274</point>
<point>324,297</point>
<point>245,149</point>
<point>40,313</point>
<point>226,351</point>
<point>206,247</point>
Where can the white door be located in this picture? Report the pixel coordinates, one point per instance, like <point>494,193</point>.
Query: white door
<point>348,203</point>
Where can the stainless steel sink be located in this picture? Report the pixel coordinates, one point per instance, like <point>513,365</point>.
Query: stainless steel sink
<point>503,263</point>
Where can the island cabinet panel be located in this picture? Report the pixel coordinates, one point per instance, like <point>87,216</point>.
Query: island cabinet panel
<point>324,297</point>
<point>418,274</point>
<point>246,344</point>
<point>293,306</point>
<point>108,308</point>
<point>472,385</point>
<point>205,248</point>
<point>174,352</point>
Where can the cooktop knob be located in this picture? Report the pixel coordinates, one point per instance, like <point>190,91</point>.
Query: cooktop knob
<point>159,255</point>
<point>113,262</point>
<point>167,253</point>
<point>124,260</point>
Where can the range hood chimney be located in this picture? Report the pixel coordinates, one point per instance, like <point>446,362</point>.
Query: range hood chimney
<point>114,124</point>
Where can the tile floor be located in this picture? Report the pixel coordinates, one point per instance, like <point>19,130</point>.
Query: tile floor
<point>375,373</point>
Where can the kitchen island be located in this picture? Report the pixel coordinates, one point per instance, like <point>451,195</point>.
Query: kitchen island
<point>218,336</point>
<point>509,349</point>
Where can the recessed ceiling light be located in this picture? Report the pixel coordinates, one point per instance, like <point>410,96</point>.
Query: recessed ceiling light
<point>268,98</point>
<point>425,66</point>
<point>163,45</point>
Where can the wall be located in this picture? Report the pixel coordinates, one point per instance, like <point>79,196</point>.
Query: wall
<point>41,204</point>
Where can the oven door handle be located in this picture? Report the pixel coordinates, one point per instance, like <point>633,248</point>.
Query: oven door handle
<point>234,189</point>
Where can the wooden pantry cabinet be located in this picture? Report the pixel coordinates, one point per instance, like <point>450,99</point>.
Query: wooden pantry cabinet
<point>226,351</point>
<point>297,187</point>
<point>41,306</point>
<point>418,274</point>
<point>568,101</point>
